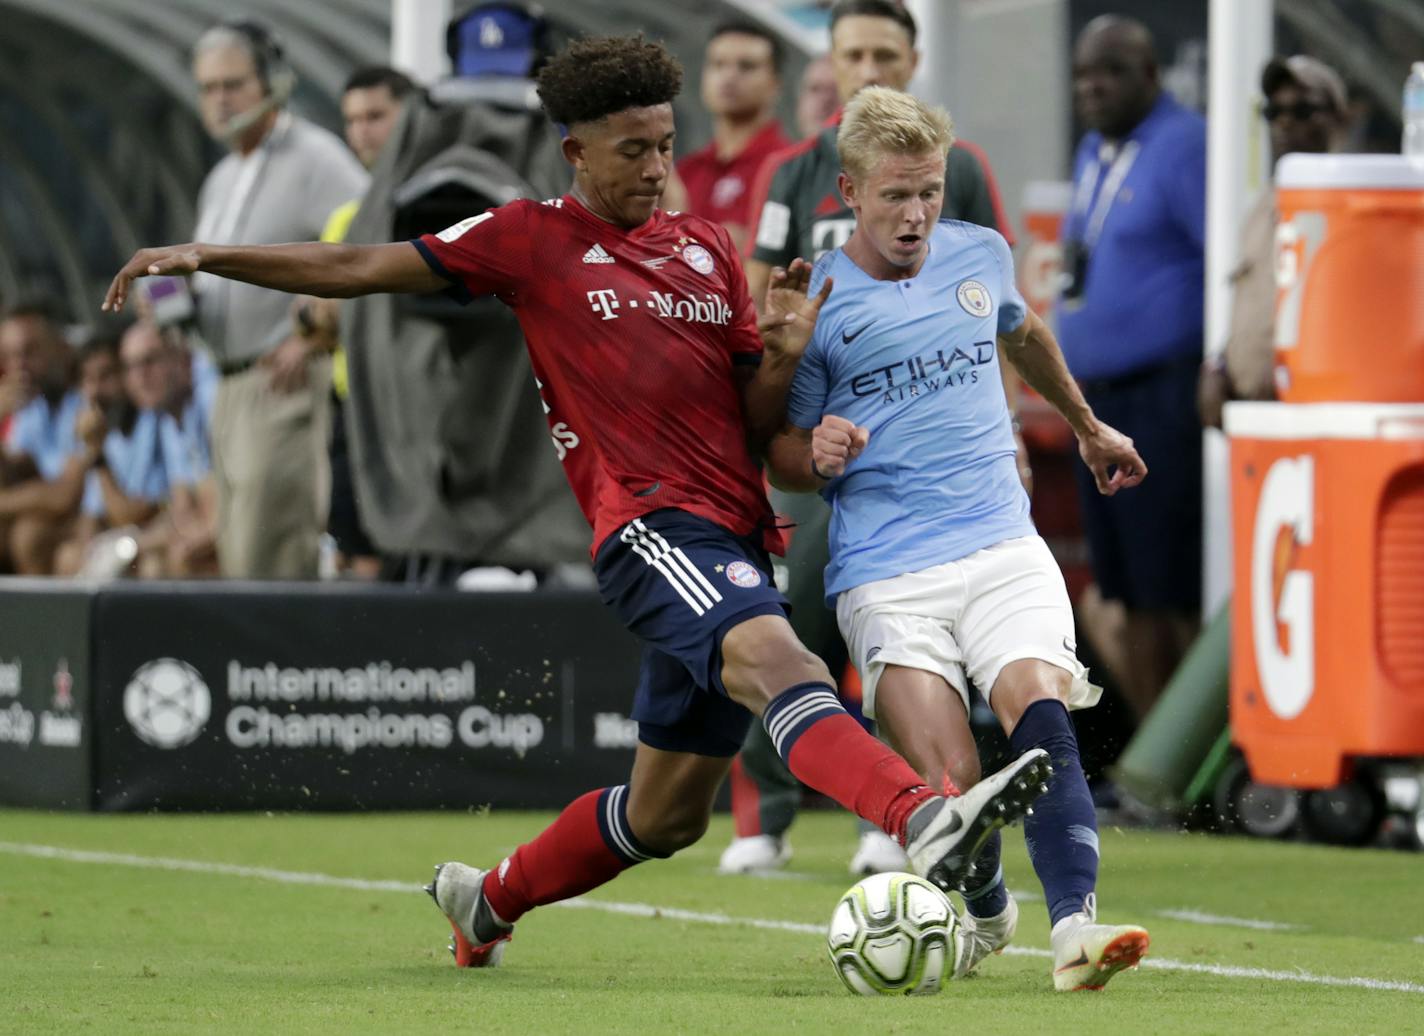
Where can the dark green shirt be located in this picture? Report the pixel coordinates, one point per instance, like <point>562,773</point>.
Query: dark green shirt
<point>802,214</point>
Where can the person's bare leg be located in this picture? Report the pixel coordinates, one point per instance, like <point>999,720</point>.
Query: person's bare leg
<point>1155,641</point>
<point>670,796</point>
<point>924,720</point>
<point>1103,624</point>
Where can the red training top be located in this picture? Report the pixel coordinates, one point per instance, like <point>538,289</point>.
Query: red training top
<point>722,191</point>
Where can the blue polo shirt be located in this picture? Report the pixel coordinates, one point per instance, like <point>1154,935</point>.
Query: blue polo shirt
<point>47,434</point>
<point>915,361</point>
<point>187,441</point>
<point>135,462</point>
<point>1144,228</point>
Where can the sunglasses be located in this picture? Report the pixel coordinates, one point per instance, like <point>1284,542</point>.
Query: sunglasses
<point>1299,111</point>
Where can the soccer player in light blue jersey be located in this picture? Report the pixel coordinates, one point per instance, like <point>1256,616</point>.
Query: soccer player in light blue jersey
<point>897,416</point>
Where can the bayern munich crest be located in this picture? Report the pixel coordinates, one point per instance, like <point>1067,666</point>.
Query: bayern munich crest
<point>974,298</point>
<point>744,575</point>
<point>698,258</point>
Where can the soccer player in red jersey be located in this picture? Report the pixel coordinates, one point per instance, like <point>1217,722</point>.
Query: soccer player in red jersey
<point>662,393</point>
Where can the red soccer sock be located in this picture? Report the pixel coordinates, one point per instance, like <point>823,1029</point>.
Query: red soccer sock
<point>746,801</point>
<point>828,750</point>
<point>588,844</point>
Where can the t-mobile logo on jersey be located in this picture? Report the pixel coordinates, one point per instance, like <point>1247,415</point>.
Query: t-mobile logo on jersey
<point>707,308</point>
<point>604,301</point>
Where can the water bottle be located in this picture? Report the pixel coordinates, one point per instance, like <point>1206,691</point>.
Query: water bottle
<point>1413,145</point>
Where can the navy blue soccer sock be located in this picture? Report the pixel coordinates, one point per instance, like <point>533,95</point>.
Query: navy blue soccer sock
<point>990,896</point>
<point>1062,834</point>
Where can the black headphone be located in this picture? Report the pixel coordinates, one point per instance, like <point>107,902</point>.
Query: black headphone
<point>268,55</point>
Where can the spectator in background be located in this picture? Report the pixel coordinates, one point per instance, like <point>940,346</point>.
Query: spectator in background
<point>56,437</point>
<point>1131,328</point>
<point>1307,110</point>
<point>187,392</point>
<point>741,79</point>
<point>371,104</point>
<point>281,180</point>
<point>799,208</point>
<point>128,487</point>
<point>817,99</point>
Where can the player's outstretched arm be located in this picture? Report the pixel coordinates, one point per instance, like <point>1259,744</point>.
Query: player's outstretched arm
<point>786,324</point>
<point>324,270</point>
<point>1035,354</point>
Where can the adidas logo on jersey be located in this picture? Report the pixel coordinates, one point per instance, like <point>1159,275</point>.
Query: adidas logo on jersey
<point>596,254</point>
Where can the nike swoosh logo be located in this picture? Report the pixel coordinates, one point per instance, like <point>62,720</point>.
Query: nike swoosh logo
<point>1082,959</point>
<point>850,338</point>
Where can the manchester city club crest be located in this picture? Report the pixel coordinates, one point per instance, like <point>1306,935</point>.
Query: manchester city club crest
<point>974,298</point>
<point>744,575</point>
<point>698,258</point>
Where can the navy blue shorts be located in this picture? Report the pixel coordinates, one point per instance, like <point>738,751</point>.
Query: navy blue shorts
<point>1146,541</point>
<point>680,582</point>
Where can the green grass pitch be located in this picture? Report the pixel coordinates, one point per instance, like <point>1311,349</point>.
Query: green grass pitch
<point>92,944</point>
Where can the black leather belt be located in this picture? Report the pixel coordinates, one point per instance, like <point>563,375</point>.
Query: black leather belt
<point>230,367</point>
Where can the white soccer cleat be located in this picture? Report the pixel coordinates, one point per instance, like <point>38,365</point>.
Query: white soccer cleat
<point>878,853</point>
<point>945,835</point>
<point>480,938</point>
<point>754,853</point>
<point>981,936</point>
<point>1086,954</point>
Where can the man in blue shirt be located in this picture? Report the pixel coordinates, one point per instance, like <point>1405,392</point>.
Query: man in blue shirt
<point>55,438</point>
<point>127,486</point>
<point>897,415</point>
<point>1131,325</point>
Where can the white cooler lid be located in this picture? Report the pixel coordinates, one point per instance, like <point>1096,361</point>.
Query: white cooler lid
<point>1344,172</point>
<point>1247,420</point>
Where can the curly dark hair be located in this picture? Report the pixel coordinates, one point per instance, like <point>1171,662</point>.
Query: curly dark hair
<point>601,75</point>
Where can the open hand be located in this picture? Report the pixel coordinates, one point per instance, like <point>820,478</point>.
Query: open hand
<point>170,260</point>
<point>835,442</point>
<point>1106,448</point>
<point>789,316</point>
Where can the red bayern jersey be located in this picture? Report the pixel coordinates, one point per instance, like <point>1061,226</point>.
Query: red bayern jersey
<point>634,335</point>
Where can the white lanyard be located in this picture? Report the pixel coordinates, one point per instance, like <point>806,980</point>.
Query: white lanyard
<point>1121,163</point>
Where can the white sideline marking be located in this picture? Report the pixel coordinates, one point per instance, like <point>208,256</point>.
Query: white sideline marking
<point>1197,917</point>
<point>51,852</point>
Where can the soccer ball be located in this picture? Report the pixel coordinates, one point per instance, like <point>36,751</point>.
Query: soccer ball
<point>893,934</point>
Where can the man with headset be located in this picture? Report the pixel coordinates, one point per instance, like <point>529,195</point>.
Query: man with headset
<point>281,178</point>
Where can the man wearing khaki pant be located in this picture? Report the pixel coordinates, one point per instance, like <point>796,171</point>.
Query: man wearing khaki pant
<point>280,180</point>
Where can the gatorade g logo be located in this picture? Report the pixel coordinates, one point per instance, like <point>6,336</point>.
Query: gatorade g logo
<point>1282,595</point>
<point>1297,241</point>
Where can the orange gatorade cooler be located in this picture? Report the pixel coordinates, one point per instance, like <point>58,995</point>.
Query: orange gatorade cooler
<point>1350,279</point>
<point>1045,203</point>
<point>1327,627</point>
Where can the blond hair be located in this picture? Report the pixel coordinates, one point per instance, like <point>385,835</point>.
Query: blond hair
<point>880,121</point>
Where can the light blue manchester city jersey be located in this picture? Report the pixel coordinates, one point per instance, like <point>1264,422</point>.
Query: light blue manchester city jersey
<point>915,362</point>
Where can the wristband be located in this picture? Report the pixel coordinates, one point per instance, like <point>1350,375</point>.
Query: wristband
<point>818,473</point>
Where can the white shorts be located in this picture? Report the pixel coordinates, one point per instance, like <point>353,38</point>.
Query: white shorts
<point>972,616</point>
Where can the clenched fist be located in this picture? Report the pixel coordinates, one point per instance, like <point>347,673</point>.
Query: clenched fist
<point>835,442</point>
